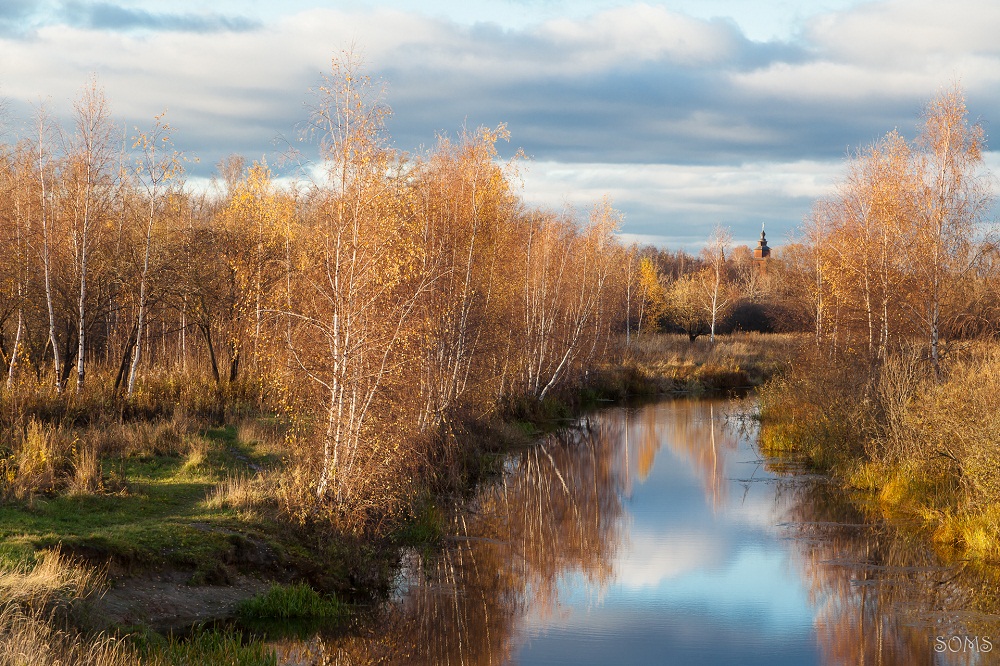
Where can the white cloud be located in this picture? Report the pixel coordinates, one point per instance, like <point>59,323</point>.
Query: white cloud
<point>902,33</point>
<point>682,120</point>
<point>888,50</point>
<point>641,32</point>
<point>688,199</point>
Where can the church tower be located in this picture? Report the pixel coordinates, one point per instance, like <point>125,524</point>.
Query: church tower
<point>762,252</point>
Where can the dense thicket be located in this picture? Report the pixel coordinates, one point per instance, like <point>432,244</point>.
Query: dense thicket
<point>384,304</point>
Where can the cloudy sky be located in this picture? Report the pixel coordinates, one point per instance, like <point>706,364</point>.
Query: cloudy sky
<point>687,112</point>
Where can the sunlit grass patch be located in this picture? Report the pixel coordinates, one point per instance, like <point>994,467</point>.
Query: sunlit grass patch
<point>50,578</point>
<point>149,525</point>
<point>243,492</point>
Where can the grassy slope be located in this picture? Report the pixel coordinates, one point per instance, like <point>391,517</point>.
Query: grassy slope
<point>160,517</point>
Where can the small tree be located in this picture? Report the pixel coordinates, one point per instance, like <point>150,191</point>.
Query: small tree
<point>685,306</point>
<point>713,279</point>
<point>653,297</point>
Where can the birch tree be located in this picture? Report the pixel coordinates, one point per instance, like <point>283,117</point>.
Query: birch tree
<point>465,208</point>
<point>157,165</point>
<point>92,156</point>
<point>43,169</point>
<point>950,204</point>
<point>356,286</point>
<point>713,278</point>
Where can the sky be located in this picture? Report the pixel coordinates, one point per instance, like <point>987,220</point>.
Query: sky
<point>687,113</point>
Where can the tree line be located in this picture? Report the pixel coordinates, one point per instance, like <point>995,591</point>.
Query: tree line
<point>384,303</point>
<point>903,250</point>
<point>722,289</point>
<point>896,392</point>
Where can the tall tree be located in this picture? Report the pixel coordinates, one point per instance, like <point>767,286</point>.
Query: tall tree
<point>91,158</point>
<point>44,168</point>
<point>157,165</point>
<point>357,283</point>
<point>950,204</point>
<point>713,277</point>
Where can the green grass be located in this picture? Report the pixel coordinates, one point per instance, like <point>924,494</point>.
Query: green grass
<point>291,602</point>
<point>160,518</point>
<point>425,527</point>
<point>207,647</point>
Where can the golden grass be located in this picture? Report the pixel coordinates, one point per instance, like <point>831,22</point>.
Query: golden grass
<point>86,476</point>
<point>241,492</point>
<point>52,578</point>
<point>27,638</point>
<point>923,447</point>
<point>266,436</point>
<point>733,359</point>
<point>31,596</point>
<point>739,347</point>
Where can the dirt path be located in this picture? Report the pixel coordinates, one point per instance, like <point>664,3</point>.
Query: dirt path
<point>166,602</point>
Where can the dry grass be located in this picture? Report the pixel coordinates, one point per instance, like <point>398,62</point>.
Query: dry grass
<point>267,436</point>
<point>51,580</point>
<point>47,458</point>
<point>741,348</point>
<point>738,359</point>
<point>39,461</point>
<point>241,493</point>
<point>86,476</point>
<point>32,597</point>
<point>927,448</point>
<point>27,638</point>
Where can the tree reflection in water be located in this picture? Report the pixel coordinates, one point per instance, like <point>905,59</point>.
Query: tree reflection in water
<point>878,595</point>
<point>556,511</point>
<point>881,595</point>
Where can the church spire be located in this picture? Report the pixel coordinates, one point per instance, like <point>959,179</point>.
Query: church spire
<point>762,252</point>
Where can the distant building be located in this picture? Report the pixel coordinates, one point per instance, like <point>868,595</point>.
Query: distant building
<point>762,253</point>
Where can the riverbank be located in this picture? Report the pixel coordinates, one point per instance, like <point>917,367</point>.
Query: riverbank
<point>117,536</point>
<point>919,449</point>
<point>179,522</point>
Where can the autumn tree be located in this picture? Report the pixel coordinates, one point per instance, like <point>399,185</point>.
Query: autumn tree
<point>686,306</point>
<point>157,165</point>
<point>235,266</point>
<point>567,279</point>
<point>951,201</point>
<point>91,161</point>
<point>898,248</point>
<point>17,164</point>
<point>465,207</point>
<point>357,280</point>
<point>713,279</point>
<point>44,171</point>
<point>652,296</point>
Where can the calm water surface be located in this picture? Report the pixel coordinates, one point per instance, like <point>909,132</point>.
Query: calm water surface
<point>659,535</point>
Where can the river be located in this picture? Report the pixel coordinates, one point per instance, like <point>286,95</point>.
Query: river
<point>660,535</point>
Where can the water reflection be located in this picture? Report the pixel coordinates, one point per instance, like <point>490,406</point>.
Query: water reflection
<point>658,535</point>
